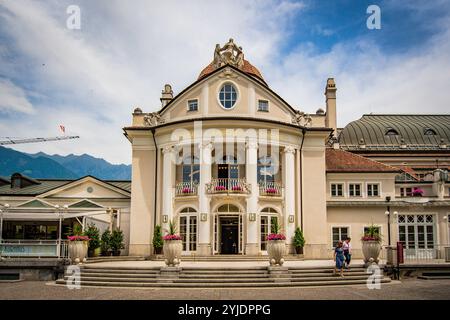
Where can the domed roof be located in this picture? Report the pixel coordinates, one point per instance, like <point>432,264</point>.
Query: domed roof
<point>231,54</point>
<point>247,68</point>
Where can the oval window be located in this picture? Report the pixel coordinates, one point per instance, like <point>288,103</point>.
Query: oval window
<point>228,96</point>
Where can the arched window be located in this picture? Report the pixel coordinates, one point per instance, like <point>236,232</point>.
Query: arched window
<point>268,220</point>
<point>188,229</point>
<point>429,132</point>
<point>391,132</point>
<point>191,170</point>
<point>228,96</point>
<point>266,170</point>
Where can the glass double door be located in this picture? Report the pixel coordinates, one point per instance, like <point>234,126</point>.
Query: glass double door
<point>417,233</point>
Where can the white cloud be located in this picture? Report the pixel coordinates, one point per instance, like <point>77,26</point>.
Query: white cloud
<point>91,79</point>
<point>13,98</point>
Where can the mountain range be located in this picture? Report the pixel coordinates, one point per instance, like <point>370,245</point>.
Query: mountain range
<point>42,165</point>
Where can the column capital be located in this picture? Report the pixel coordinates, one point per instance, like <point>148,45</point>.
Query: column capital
<point>168,149</point>
<point>251,144</point>
<point>289,149</point>
<point>206,145</point>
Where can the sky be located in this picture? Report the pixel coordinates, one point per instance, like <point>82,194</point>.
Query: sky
<point>90,79</point>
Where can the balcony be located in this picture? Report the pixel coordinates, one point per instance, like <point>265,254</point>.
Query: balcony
<point>270,189</point>
<point>186,189</point>
<point>228,186</point>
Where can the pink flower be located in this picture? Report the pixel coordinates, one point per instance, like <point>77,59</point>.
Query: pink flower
<point>78,238</point>
<point>220,188</point>
<point>271,190</point>
<point>171,237</point>
<point>186,190</point>
<point>417,192</point>
<point>276,236</point>
<point>236,188</point>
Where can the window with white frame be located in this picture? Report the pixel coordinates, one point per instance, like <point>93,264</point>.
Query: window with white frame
<point>337,189</point>
<point>405,192</point>
<point>193,105</point>
<point>373,189</point>
<point>354,190</point>
<point>228,96</point>
<point>339,234</point>
<point>188,229</point>
<point>263,105</point>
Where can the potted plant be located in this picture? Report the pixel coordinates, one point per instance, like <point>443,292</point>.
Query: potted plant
<point>116,242</point>
<point>78,246</point>
<point>93,234</point>
<point>276,245</point>
<point>371,244</point>
<point>186,190</point>
<point>105,245</point>
<point>172,246</point>
<point>299,241</point>
<point>417,192</point>
<point>157,240</point>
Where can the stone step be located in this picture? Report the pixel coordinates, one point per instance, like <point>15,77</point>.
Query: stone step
<point>121,271</point>
<point>341,281</point>
<point>221,275</point>
<point>118,275</point>
<point>115,258</point>
<point>325,274</point>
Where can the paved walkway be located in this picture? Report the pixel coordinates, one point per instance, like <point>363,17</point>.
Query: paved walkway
<point>407,289</point>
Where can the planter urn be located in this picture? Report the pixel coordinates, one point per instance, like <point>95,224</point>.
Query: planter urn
<point>172,252</point>
<point>78,251</point>
<point>371,250</point>
<point>276,250</point>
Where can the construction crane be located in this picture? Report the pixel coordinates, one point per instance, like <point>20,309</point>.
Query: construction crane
<point>32,140</point>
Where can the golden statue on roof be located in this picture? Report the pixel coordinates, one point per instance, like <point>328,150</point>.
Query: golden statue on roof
<point>230,53</point>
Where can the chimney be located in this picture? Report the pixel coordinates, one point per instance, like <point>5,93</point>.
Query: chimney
<point>330,100</point>
<point>166,95</point>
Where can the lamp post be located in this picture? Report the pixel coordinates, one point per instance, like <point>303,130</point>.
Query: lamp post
<point>4,210</point>
<point>60,212</point>
<point>388,214</point>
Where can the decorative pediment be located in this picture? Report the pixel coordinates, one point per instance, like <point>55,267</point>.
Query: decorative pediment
<point>35,204</point>
<point>85,204</point>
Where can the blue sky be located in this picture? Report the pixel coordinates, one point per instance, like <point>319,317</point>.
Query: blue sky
<point>91,79</point>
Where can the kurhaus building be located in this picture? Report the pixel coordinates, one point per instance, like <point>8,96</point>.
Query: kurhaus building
<point>227,158</point>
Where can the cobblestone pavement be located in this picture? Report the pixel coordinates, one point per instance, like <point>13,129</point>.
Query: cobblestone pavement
<point>407,289</point>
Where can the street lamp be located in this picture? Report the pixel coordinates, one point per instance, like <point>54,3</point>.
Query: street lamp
<point>388,214</point>
<point>4,210</point>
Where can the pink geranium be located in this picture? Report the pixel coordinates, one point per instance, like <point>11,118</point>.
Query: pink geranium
<point>78,238</point>
<point>170,237</point>
<point>271,190</point>
<point>236,188</point>
<point>220,188</point>
<point>276,236</point>
<point>187,190</point>
<point>417,192</point>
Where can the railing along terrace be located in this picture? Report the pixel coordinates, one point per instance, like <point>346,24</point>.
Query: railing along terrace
<point>270,189</point>
<point>222,185</point>
<point>186,189</point>
<point>34,248</point>
<point>420,254</point>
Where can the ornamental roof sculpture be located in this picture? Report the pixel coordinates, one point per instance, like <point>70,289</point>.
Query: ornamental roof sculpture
<point>233,55</point>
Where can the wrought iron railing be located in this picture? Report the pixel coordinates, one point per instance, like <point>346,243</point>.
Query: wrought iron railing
<point>227,186</point>
<point>419,254</point>
<point>270,189</point>
<point>186,189</point>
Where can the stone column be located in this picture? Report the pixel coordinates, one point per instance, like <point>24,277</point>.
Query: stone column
<point>251,167</point>
<point>167,185</point>
<point>289,193</point>
<point>204,230</point>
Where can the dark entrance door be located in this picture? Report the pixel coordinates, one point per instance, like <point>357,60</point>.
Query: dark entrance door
<point>229,235</point>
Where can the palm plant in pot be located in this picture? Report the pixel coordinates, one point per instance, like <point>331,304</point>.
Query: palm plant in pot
<point>94,235</point>
<point>371,244</point>
<point>78,245</point>
<point>116,242</point>
<point>157,240</point>
<point>172,246</point>
<point>299,241</point>
<point>105,243</point>
<point>276,245</point>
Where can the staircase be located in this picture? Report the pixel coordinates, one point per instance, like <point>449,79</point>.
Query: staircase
<point>217,277</point>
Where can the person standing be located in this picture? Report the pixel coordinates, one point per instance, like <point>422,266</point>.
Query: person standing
<point>339,258</point>
<point>347,252</point>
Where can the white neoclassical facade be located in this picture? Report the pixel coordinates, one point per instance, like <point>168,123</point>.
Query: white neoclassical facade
<point>227,158</point>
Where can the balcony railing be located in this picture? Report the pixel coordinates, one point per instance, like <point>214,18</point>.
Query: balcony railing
<point>34,248</point>
<point>272,189</point>
<point>227,186</point>
<point>186,189</point>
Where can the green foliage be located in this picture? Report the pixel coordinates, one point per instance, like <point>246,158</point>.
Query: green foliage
<point>116,241</point>
<point>298,240</point>
<point>275,227</point>
<point>372,233</point>
<point>172,228</point>
<point>157,237</point>
<point>105,241</point>
<point>94,234</point>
